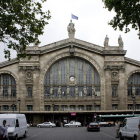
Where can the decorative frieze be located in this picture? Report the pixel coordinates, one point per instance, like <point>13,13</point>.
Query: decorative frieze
<point>33,58</point>
<point>24,68</point>
<point>113,67</point>
<point>114,58</point>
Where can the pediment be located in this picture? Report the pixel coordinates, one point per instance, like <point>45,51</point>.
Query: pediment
<point>66,44</point>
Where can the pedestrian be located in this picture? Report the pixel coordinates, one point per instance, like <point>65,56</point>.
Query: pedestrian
<point>117,126</point>
<point>138,136</point>
<point>3,130</point>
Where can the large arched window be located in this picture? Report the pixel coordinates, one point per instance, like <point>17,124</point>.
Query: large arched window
<point>71,75</point>
<point>133,84</point>
<point>7,85</point>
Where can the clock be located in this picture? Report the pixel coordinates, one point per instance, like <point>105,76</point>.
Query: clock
<point>72,78</point>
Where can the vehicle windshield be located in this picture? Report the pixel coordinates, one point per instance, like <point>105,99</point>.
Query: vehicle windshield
<point>9,121</point>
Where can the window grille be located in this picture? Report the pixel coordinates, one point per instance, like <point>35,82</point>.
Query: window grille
<point>13,108</point>
<point>5,79</point>
<point>72,91</point>
<point>80,71</point>
<point>5,91</point>
<point>137,91</point>
<point>13,82</point>
<point>55,91</point>
<point>29,90</point>
<point>72,107</point>
<point>29,107</point>
<point>47,78</point>
<point>6,108</point>
<point>13,91</point>
<point>47,108</point>
<point>129,91</point>
<point>114,107</point>
<point>114,91</point>
<point>89,107</point>
<point>63,71</point>
<point>88,74</point>
<point>64,108</point>
<point>137,107</point>
<point>71,66</point>
<point>47,91</point>
<point>56,108</point>
<point>80,91</point>
<point>96,77</point>
<point>55,74</point>
<point>89,91</point>
<point>130,106</point>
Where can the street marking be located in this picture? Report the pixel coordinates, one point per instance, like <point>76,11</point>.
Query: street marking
<point>36,135</point>
<point>107,135</point>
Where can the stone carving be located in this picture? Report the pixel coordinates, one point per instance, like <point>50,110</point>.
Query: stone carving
<point>120,42</point>
<point>71,29</point>
<point>106,41</point>
<point>76,91</point>
<point>71,50</point>
<point>29,68</point>
<point>59,91</point>
<point>114,58</point>
<point>51,90</point>
<point>93,91</point>
<point>85,91</point>
<point>29,75</point>
<point>114,75</point>
<point>108,67</point>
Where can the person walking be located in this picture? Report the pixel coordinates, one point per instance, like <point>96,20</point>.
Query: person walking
<point>117,126</point>
<point>3,130</point>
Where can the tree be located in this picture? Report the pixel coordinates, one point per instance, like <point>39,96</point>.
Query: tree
<point>21,23</point>
<point>127,13</point>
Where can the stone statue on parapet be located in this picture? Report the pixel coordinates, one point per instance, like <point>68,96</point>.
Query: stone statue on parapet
<point>71,29</point>
<point>106,41</point>
<point>120,42</point>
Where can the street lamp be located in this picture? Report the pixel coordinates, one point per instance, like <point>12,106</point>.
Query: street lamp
<point>19,101</point>
<point>133,98</point>
<point>53,110</point>
<point>13,105</point>
<point>95,111</point>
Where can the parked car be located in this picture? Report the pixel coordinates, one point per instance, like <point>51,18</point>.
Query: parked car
<point>73,124</point>
<point>46,124</point>
<point>28,125</point>
<point>129,128</point>
<point>93,126</point>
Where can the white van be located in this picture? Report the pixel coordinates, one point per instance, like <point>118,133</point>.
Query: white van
<point>18,125</point>
<point>129,128</point>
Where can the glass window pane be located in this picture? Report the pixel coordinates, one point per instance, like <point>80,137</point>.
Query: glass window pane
<point>137,90</point>
<point>71,66</point>
<point>130,80</point>
<point>47,108</point>
<point>72,91</point>
<point>6,108</point>
<point>96,77</point>
<point>5,79</point>
<point>13,91</point>
<point>129,90</point>
<point>80,91</point>
<point>136,79</point>
<point>5,91</point>
<point>63,71</point>
<point>89,91</point>
<point>29,90</point>
<point>80,71</point>
<point>89,107</point>
<point>64,91</point>
<point>13,82</point>
<point>55,74</point>
<point>47,91</point>
<point>114,91</point>
<point>88,74</point>
<point>29,107</point>
<point>47,78</point>
<point>72,107</point>
<point>55,91</point>
<point>64,107</point>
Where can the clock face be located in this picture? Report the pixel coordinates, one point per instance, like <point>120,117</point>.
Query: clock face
<point>72,78</point>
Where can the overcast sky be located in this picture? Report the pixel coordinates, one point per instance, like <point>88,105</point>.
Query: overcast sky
<point>92,26</point>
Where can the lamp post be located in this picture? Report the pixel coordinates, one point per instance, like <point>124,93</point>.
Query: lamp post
<point>19,101</point>
<point>133,98</point>
<point>53,110</point>
<point>95,111</point>
<point>13,105</point>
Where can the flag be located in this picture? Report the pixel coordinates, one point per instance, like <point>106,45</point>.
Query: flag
<point>74,17</point>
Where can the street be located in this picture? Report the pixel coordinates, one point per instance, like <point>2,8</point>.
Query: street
<point>74,133</point>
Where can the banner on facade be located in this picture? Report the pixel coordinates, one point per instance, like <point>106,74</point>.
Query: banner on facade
<point>73,114</point>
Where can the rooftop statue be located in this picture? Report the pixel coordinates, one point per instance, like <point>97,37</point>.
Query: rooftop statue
<point>106,41</point>
<point>120,42</point>
<point>71,29</point>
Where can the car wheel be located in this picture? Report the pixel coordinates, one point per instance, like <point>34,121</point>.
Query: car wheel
<point>50,126</point>
<point>16,137</point>
<point>67,126</point>
<point>39,126</point>
<point>77,126</point>
<point>121,138</point>
<point>24,135</point>
<point>135,137</point>
<point>109,125</point>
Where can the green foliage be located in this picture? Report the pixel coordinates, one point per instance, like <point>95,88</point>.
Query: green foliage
<point>21,23</point>
<point>127,13</point>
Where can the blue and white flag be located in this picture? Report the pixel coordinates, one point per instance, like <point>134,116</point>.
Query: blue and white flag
<point>74,17</point>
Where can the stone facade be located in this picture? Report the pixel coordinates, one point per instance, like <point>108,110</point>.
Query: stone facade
<point>113,67</point>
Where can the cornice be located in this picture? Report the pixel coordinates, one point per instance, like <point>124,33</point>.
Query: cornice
<point>131,61</point>
<point>7,63</point>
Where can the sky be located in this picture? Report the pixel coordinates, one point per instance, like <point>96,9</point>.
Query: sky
<point>91,26</point>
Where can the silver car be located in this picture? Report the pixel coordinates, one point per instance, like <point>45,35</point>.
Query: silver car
<point>73,124</point>
<point>46,124</point>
